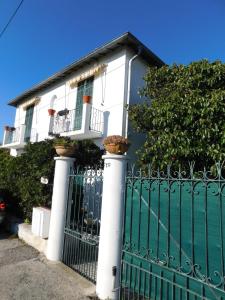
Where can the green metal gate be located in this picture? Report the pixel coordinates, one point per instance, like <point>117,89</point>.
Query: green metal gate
<point>174,235</point>
<point>81,233</point>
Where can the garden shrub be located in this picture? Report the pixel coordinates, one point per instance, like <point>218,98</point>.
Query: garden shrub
<point>20,176</point>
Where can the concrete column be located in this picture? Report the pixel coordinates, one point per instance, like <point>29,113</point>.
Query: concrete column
<point>110,245</point>
<point>22,133</point>
<point>63,166</point>
<point>51,125</point>
<point>86,117</point>
<point>5,136</point>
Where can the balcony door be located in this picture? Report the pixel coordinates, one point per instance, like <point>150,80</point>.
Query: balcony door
<point>28,123</point>
<point>85,87</point>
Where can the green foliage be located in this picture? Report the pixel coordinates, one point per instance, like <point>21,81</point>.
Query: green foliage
<point>64,141</point>
<point>20,176</point>
<point>6,166</point>
<point>184,120</point>
<point>7,182</point>
<point>35,162</point>
<point>88,154</point>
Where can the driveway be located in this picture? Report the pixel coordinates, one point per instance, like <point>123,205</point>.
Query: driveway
<point>26,274</point>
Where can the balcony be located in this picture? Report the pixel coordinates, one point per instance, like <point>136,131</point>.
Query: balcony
<point>16,138</point>
<point>82,123</point>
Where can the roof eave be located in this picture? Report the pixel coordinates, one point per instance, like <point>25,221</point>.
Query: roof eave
<point>126,39</point>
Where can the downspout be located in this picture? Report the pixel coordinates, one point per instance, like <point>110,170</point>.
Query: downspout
<point>128,90</point>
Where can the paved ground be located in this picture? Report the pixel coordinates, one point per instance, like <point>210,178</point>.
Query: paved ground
<point>25,274</point>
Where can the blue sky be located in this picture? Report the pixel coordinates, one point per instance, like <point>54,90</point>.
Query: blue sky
<point>47,35</point>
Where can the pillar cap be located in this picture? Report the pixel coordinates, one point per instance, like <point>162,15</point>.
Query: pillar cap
<point>64,158</point>
<point>115,156</point>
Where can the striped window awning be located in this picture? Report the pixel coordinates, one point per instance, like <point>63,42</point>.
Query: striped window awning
<point>94,71</point>
<point>33,101</point>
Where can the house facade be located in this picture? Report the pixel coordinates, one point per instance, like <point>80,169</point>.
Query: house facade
<point>86,100</point>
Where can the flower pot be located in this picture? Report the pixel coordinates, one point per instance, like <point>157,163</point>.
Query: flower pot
<point>67,151</point>
<point>86,99</point>
<point>51,112</point>
<point>116,148</point>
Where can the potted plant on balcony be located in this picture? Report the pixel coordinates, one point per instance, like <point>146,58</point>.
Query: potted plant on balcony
<point>7,128</point>
<point>51,112</point>
<point>86,99</point>
<point>64,146</point>
<point>116,144</point>
<point>63,112</point>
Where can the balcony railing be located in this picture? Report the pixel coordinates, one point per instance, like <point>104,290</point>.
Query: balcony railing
<point>79,121</point>
<point>18,137</point>
<point>66,121</point>
<point>96,120</point>
<point>12,136</point>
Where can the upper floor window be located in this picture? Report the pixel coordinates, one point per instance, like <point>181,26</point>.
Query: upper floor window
<point>28,122</point>
<point>84,88</point>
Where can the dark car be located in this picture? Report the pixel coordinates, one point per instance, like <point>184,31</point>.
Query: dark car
<point>2,210</point>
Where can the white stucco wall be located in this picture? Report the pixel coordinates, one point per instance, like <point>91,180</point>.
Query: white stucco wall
<point>138,71</point>
<point>108,96</point>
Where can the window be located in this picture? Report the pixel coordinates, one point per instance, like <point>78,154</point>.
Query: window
<point>28,123</point>
<point>84,88</point>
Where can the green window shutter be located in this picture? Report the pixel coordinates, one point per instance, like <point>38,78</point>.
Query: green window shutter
<point>84,88</point>
<point>88,86</point>
<point>28,123</point>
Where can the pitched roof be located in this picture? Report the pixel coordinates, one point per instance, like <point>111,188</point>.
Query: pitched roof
<point>127,39</point>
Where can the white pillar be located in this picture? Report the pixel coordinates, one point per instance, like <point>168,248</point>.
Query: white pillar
<point>86,117</point>
<point>110,245</point>
<point>22,133</point>
<point>58,211</point>
<point>5,137</point>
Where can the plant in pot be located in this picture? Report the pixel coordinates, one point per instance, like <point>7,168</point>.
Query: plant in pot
<point>116,144</point>
<point>7,128</point>
<point>64,146</point>
<point>86,99</point>
<point>63,112</point>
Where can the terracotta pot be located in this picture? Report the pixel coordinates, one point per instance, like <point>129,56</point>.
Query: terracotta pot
<point>86,99</point>
<point>68,151</point>
<point>116,148</point>
<point>7,128</point>
<point>51,112</point>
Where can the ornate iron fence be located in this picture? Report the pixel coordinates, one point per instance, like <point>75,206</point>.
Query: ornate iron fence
<point>81,233</point>
<point>174,235</point>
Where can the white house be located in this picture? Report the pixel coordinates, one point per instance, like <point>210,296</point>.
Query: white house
<point>110,76</point>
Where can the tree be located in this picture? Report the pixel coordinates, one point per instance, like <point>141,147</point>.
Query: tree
<point>183,116</point>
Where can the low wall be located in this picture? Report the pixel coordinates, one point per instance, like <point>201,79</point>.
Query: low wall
<point>25,234</point>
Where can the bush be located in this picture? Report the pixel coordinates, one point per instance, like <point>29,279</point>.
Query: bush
<point>183,116</point>
<point>20,176</point>
<point>35,162</point>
